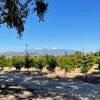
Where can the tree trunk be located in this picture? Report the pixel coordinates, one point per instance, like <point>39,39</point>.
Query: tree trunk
<point>99,67</point>
<point>86,77</point>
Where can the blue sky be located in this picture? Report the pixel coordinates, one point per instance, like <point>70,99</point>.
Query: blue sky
<point>70,24</point>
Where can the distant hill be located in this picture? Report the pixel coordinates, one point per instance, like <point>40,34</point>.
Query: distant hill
<point>39,52</point>
<point>51,51</point>
<point>13,53</point>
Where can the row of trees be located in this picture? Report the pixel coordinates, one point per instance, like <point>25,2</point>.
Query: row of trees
<point>67,62</point>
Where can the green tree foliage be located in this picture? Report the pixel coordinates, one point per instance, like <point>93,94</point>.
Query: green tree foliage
<point>67,63</point>
<point>18,62</point>
<point>97,61</point>
<point>28,61</point>
<point>51,62</point>
<point>13,13</point>
<point>2,61</point>
<point>40,63</point>
<point>86,64</point>
<point>78,58</point>
<point>9,62</point>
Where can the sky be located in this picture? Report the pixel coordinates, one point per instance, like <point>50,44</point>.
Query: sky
<point>69,24</point>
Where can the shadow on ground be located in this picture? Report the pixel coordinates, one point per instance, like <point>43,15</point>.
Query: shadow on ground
<point>26,85</point>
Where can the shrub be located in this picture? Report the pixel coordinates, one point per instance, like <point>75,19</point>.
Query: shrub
<point>67,63</point>
<point>40,62</point>
<point>18,62</point>
<point>28,62</point>
<point>87,63</point>
<point>2,61</point>
<point>97,61</point>
<point>51,62</point>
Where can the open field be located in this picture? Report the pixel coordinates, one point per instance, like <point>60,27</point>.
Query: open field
<point>31,85</point>
<point>55,52</point>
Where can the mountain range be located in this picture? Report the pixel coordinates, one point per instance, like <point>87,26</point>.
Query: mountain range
<point>37,51</point>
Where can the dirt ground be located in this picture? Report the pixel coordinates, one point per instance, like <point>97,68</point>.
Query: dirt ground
<point>58,71</point>
<point>31,85</point>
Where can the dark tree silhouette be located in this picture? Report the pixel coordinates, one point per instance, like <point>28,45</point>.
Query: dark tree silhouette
<point>28,61</point>
<point>13,13</point>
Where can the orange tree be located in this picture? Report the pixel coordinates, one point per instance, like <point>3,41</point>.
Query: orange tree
<point>51,62</point>
<point>97,61</point>
<point>2,61</point>
<point>86,64</point>
<point>28,61</point>
<point>39,62</point>
<point>67,63</point>
<point>18,62</point>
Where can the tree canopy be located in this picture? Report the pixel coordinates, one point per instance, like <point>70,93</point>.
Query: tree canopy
<point>13,13</point>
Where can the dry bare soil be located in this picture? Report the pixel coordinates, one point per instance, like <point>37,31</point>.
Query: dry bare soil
<point>31,85</point>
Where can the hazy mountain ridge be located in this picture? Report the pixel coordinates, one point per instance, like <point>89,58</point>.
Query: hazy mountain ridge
<point>36,51</point>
